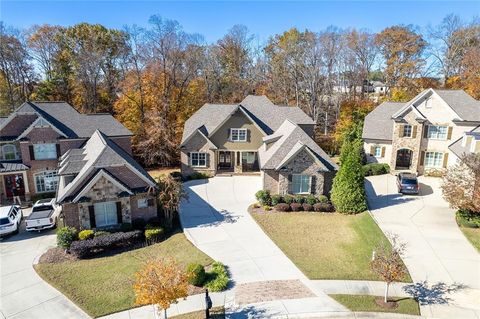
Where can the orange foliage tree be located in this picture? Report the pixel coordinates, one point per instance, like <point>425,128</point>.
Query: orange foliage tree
<point>160,282</point>
<point>351,112</point>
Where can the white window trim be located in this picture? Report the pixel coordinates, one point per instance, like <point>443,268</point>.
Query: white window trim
<point>437,138</point>
<point>15,151</point>
<point>238,134</point>
<point>375,151</point>
<point>43,144</point>
<point>43,173</point>
<point>143,201</point>
<point>104,206</point>
<point>434,166</point>
<point>191,159</point>
<point>309,184</point>
<point>411,131</point>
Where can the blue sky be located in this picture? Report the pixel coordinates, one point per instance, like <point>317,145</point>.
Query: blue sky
<point>213,18</point>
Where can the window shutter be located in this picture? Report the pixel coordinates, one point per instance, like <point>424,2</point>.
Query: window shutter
<point>383,151</point>
<point>414,131</point>
<point>311,185</point>
<point>119,212</point>
<point>58,150</point>
<point>189,159</point>
<point>150,202</point>
<point>422,158</point>
<point>229,134</point>
<point>425,132</point>
<point>449,133</point>
<point>372,150</point>
<point>400,130</point>
<point>32,153</point>
<point>91,212</point>
<point>445,160</point>
<point>207,159</point>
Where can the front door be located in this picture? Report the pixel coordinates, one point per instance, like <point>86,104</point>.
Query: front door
<point>404,158</point>
<point>224,159</point>
<point>14,185</point>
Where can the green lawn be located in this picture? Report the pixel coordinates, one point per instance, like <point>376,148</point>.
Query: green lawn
<point>367,303</point>
<point>215,313</point>
<point>326,246</point>
<point>473,235</point>
<point>104,285</point>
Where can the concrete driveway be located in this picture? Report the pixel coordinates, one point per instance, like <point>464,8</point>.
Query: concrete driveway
<point>443,264</point>
<point>23,294</point>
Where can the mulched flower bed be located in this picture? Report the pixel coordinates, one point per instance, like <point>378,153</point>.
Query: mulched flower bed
<point>56,255</point>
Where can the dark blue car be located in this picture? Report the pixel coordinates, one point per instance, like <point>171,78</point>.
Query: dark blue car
<point>407,183</point>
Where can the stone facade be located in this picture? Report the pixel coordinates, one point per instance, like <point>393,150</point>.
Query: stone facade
<point>404,142</point>
<point>303,163</point>
<point>197,143</point>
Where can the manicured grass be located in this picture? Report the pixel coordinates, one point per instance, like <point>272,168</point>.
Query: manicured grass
<point>104,285</point>
<point>326,246</point>
<point>366,303</point>
<point>155,173</point>
<point>215,313</point>
<point>473,236</point>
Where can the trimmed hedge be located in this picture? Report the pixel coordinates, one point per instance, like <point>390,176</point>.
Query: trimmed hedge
<point>307,207</point>
<point>91,247</point>
<point>85,234</point>
<point>288,199</point>
<point>197,175</point>
<point>276,199</point>
<point>153,234</point>
<point>66,236</point>
<point>282,207</point>
<point>310,199</point>
<point>217,278</point>
<point>324,207</point>
<point>296,207</point>
<point>101,233</point>
<point>196,274</point>
<point>375,169</point>
<point>263,197</point>
<point>322,199</point>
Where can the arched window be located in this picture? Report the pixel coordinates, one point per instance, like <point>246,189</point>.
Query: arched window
<point>9,152</point>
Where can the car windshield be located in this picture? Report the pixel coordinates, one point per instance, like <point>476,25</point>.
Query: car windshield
<point>409,181</point>
<point>4,221</point>
<point>42,208</point>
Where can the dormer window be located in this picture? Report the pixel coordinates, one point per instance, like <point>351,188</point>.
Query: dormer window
<point>238,134</point>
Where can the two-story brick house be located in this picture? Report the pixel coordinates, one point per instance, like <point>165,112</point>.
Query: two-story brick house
<point>257,136</point>
<point>35,143</point>
<point>421,135</point>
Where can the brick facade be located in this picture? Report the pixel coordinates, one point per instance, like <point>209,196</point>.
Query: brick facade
<point>18,124</point>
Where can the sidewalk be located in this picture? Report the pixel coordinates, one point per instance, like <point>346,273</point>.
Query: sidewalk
<point>359,287</point>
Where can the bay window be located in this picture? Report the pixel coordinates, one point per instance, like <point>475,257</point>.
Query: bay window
<point>46,181</point>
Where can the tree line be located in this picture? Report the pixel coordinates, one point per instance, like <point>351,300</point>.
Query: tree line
<point>153,78</point>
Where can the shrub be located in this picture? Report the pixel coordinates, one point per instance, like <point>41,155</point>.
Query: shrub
<point>156,221</point>
<point>288,199</point>
<point>126,227</point>
<point>153,234</point>
<point>267,208</point>
<point>90,247</point>
<point>101,233</point>
<point>299,199</point>
<point>276,199</point>
<point>323,207</point>
<point>85,234</point>
<point>66,236</point>
<point>467,218</point>
<point>296,207</point>
<point>198,175</point>
<point>139,224</point>
<point>218,278</point>
<point>375,169</point>
<point>322,199</point>
<point>176,175</point>
<point>348,193</point>
<point>310,199</point>
<point>196,274</point>
<point>282,207</point>
<point>263,197</point>
<point>307,207</point>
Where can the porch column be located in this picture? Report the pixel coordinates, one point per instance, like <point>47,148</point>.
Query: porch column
<point>25,183</point>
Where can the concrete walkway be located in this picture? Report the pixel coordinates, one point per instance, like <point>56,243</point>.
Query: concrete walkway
<point>443,264</point>
<point>23,294</point>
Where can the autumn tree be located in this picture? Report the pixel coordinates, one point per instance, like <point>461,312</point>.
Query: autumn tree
<point>387,263</point>
<point>352,112</point>
<point>461,184</point>
<point>170,195</point>
<point>160,282</point>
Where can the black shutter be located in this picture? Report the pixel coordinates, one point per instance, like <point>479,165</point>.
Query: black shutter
<point>119,212</point>
<point>58,150</point>
<point>32,153</point>
<point>91,212</point>
<point>425,132</point>
<point>313,184</point>
<point>150,202</point>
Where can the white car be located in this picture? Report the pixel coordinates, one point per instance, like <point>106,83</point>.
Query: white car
<point>43,216</point>
<point>10,219</point>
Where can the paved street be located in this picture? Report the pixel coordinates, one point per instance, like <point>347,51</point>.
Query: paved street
<point>442,263</point>
<point>23,294</point>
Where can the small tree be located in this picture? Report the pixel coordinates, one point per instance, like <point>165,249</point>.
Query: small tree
<point>461,184</point>
<point>170,194</point>
<point>348,192</point>
<point>160,282</point>
<point>387,262</point>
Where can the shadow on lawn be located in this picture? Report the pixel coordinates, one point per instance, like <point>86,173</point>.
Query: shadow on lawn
<point>435,294</point>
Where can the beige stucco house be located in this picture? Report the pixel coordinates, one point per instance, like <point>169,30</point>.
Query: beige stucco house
<point>257,136</point>
<point>424,135</point>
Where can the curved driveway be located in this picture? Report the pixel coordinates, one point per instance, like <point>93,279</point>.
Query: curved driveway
<point>23,294</point>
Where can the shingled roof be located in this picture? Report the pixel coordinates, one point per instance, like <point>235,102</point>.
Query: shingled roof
<point>458,149</point>
<point>71,123</point>
<point>378,123</point>
<point>260,109</point>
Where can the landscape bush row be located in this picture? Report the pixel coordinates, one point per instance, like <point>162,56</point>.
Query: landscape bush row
<point>294,203</point>
<point>375,169</point>
<point>467,218</point>
<point>215,280</point>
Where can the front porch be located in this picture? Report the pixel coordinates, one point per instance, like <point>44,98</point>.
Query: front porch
<point>236,162</point>
<point>13,182</point>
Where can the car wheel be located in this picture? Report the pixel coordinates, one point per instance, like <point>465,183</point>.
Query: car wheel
<point>16,230</point>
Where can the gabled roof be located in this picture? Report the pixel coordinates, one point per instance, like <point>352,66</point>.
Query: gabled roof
<point>458,149</point>
<point>378,123</point>
<point>99,152</point>
<point>6,167</point>
<point>289,139</point>
<point>66,119</point>
<point>267,116</point>
<point>462,103</point>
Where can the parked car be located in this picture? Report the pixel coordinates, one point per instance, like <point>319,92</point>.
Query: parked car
<point>10,219</point>
<point>44,215</point>
<point>407,183</point>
